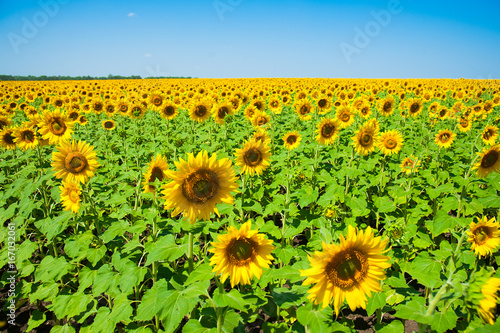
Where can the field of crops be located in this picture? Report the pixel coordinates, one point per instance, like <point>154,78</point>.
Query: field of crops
<point>250,205</point>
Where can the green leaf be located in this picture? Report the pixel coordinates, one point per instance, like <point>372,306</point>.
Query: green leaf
<point>285,254</point>
<point>45,292</point>
<point>101,321</point>
<point>414,310</point>
<point>117,228</point>
<point>442,222</point>
<point>52,269</point>
<point>316,320</point>
<point>25,251</point>
<point>164,248</point>
<point>194,326</point>
<point>106,281</point>
<point>122,309</point>
<point>70,305</point>
<point>358,206</point>
<point>384,204</point>
<point>426,270</point>
<point>37,318</point>
<point>286,298</point>
<point>231,321</point>
<point>307,195</point>
<point>394,326</point>
<point>94,255</point>
<point>86,278</point>
<point>63,329</point>
<point>232,299</point>
<point>441,322</point>
<point>377,301</point>
<point>201,273</point>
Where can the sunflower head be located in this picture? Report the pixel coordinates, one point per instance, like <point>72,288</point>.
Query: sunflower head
<point>7,138</point>
<point>292,140</point>
<point>70,196</point>
<point>199,184</point>
<point>409,165</point>
<point>254,157</point>
<point>484,236</point>
<point>365,138</point>
<point>241,254</point>
<point>348,271</point>
<point>444,138</point>
<point>108,124</point>
<point>328,130</point>
<point>55,126</point>
<point>489,161</point>
<point>345,116</point>
<point>390,142</point>
<point>489,135</point>
<point>482,296</point>
<point>200,110</point>
<point>25,137</point>
<point>157,169</point>
<point>74,161</point>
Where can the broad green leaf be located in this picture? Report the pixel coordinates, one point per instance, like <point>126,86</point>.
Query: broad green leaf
<point>62,329</point>
<point>37,318</point>
<point>164,249</point>
<point>319,320</point>
<point>442,322</point>
<point>52,269</point>
<point>394,326</point>
<point>426,270</point>
<point>285,254</point>
<point>201,273</point>
<point>414,310</point>
<point>232,299</point>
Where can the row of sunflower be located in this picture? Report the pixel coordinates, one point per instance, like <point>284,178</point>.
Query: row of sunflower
<point>303,120</point>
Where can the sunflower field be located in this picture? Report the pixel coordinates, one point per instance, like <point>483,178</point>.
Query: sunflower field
<point>250,205</point>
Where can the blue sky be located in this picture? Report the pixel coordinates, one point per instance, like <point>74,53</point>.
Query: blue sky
<point>244,38</point>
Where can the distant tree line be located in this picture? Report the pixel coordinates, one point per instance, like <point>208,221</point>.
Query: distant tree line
<point>88,77</point>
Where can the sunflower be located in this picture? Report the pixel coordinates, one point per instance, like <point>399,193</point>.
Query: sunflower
<point>74,161</point>
<point>137,110</point>
<point>292,140</point>
<point>323,104</point>
<point>414,107</point>
<point>386,106</point>
<point>444,138</point>
<point>157,169</point>
<point>275,105</point>
<point>200,183</point>
<point>261,118</point>
<point>304,109</point>
<point>200,110</point>
<point>263,136</point>
<point>110,108</point>
<point>56,126</point>
<point>484,236</point>
<point>489,161</point>
<point>97,105</point>
<point>241,254</point>
<point>4,122</point>
<point>122,107</point>
<point>70,196</point>
<point>250,112</point>
<point>365,138</point>
<point>328,130</point>
<point>108,124</point>
<point>349,271</point>
<point>490,135</point>
<point>464,124</point>
<point>364,109</point>
<point>7,138</point>
<point>488,304</point>
<point>345,116</point>
<point>25,138</point>
<point>169,110</point>
<point>253,157</point>
<point>390,142</point>
<point>157,101</point>
<point>82,120</point>
<point>222,110</point>
<point>409,165</point>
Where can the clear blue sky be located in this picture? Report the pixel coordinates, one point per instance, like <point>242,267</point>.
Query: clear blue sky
<point>245,38</point>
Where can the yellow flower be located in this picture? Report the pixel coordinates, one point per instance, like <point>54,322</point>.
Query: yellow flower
<point>200,111</point>
<point>345,116</point>
<point>489,161</point>
<point>365,138</point>
<point>25,138</point>
<point>303,108</point>
<point>488,304</point>
<point>260,118</point>
<point>328,130</point>
<point>490,135</point>
<point>168,110</point>
<point>198,185</point>
<point>482,295</point>
<point>349,271</point>
<point>156,171</point>
<point>484,236</point>
<point>7,138</point>
<point>386,106</point>
<point>253,157</point>
<point>444,138</point>
<point>108,124</point>
<point>220,111</point>
<point>390,142</point>
<point>241,254</point>
<point>70,196</point>
<point>74,161</point>
<point>409,165</point>
<point>292,140</point>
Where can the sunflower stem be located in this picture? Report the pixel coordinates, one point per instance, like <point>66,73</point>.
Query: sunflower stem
<point>190,252</point>
<point>242,197</point>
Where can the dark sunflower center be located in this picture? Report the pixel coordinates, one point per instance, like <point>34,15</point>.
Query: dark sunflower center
<point>97,106</point>
<point>322,103</point>
<point>390,144</point>
<point>223,111</point>
<point>274,104</point>
<point>366,139</point>
<point>28,136</point>
<point>2,124</point>
<point>387,106</point>
<point>8,138</point>
<point>200,186</point>
<point>445,137</point>
<point>59,103</point>
<point>110,108</point>
<point>414,108</point>
<point>364,110</point>
<point>258,105</point>
<point>489,159</point>
<point>123,108</point>
<point>347,268</point>
<point>291,139</point>
<point>304,109</point>
<point>345,117</point>
<point>75,162</point>
<point>83,120</point>
<point>200,111</point>
<point>442,113</point>
<point>109,124</point>
<point>488,134</point>
<point>157,101</point>
<point>407,164</point>
<point>156,173</point>
<point>327,130</point>
<point>482,234</point>
<point>252,157</point>
<point>57,126</point>
<point>261,121</point>
<point>241,250</point>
